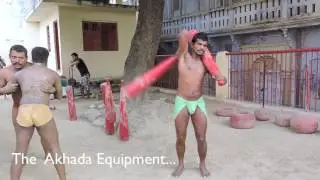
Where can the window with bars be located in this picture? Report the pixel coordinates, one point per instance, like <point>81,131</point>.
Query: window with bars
<point>176,5</point>
<point>100,36</point>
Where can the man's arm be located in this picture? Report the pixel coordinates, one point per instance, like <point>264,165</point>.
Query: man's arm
<point>2,84</point>
<point>58,87</point>
<point>183,44</point>
<point>2,78</point>
<point>212,68</point>
<point>76,62</point>
<point>6,87</point>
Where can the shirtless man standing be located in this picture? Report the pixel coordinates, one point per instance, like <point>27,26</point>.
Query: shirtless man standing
<point>34,111</point>
<point>18,56</point>
<point>189,100</point>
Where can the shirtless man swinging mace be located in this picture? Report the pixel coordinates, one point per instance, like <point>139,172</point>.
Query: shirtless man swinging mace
<point>189,100</point>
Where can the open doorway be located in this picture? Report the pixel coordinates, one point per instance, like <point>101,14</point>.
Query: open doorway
<point>56,44</point>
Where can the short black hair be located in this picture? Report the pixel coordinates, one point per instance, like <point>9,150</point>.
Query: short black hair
<point>19,48</point>
<point>40,55</point>
<point>74,54</point>
<point>201,35</point>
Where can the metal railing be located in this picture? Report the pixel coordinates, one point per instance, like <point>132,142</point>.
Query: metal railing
<point>280,77</point>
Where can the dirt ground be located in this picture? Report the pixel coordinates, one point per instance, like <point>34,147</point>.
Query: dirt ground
<point>266,152</point>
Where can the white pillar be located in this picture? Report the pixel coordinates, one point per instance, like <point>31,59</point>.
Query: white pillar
<point>222,61</point>
<point>284,9</point>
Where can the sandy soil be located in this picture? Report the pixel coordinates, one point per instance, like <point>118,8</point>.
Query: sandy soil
<point>266,152</point>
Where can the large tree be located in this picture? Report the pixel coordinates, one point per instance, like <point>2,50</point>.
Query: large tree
<point>145,42</point>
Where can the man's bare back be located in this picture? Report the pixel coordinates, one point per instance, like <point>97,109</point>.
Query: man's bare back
<point>191,74</point>
<point>30,83</point>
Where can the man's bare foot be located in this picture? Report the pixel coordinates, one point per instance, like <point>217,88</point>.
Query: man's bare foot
<point>204,171</point>
<point>178,171</point>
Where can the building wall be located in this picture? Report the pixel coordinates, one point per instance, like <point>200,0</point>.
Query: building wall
<point>16,31</point>
<point>48,21</point>
<point>30,34</point>
<point>27,35</point>
<point>220,43</point>
<point>100,63</point>
<point>310,37</point>
<point>34,33</point>
<point>190,6</point>
<point>286,82</point>
<point>186,7</point>
<point>262,39</point>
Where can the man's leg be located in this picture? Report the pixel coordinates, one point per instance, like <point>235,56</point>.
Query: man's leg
<point>15,109</point>
<point>199,121</point>
<point>45,147</point>
<point>86,85</point>
<point>82,86</point>
<point>23,137</point>
<point>181,123</point>
<point>50,134</point>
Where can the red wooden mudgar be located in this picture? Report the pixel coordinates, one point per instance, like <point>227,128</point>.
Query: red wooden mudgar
<point>110,114</point>
<point>139,84</point>
<point>123,126</point>
<point>71,104</point>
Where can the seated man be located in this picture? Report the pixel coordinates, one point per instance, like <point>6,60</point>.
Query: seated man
<point>34,111</point>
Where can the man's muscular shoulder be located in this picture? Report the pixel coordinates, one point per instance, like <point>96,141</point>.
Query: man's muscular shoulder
<point>7,72</point>
<point>52,71</point>
<point>7,69</point>
<point>53,74</point>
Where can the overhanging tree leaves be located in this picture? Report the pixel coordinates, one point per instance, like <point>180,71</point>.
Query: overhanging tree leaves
<point>145,42</point>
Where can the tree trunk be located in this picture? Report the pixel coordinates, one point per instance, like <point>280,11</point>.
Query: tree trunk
<point>145,42</point>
